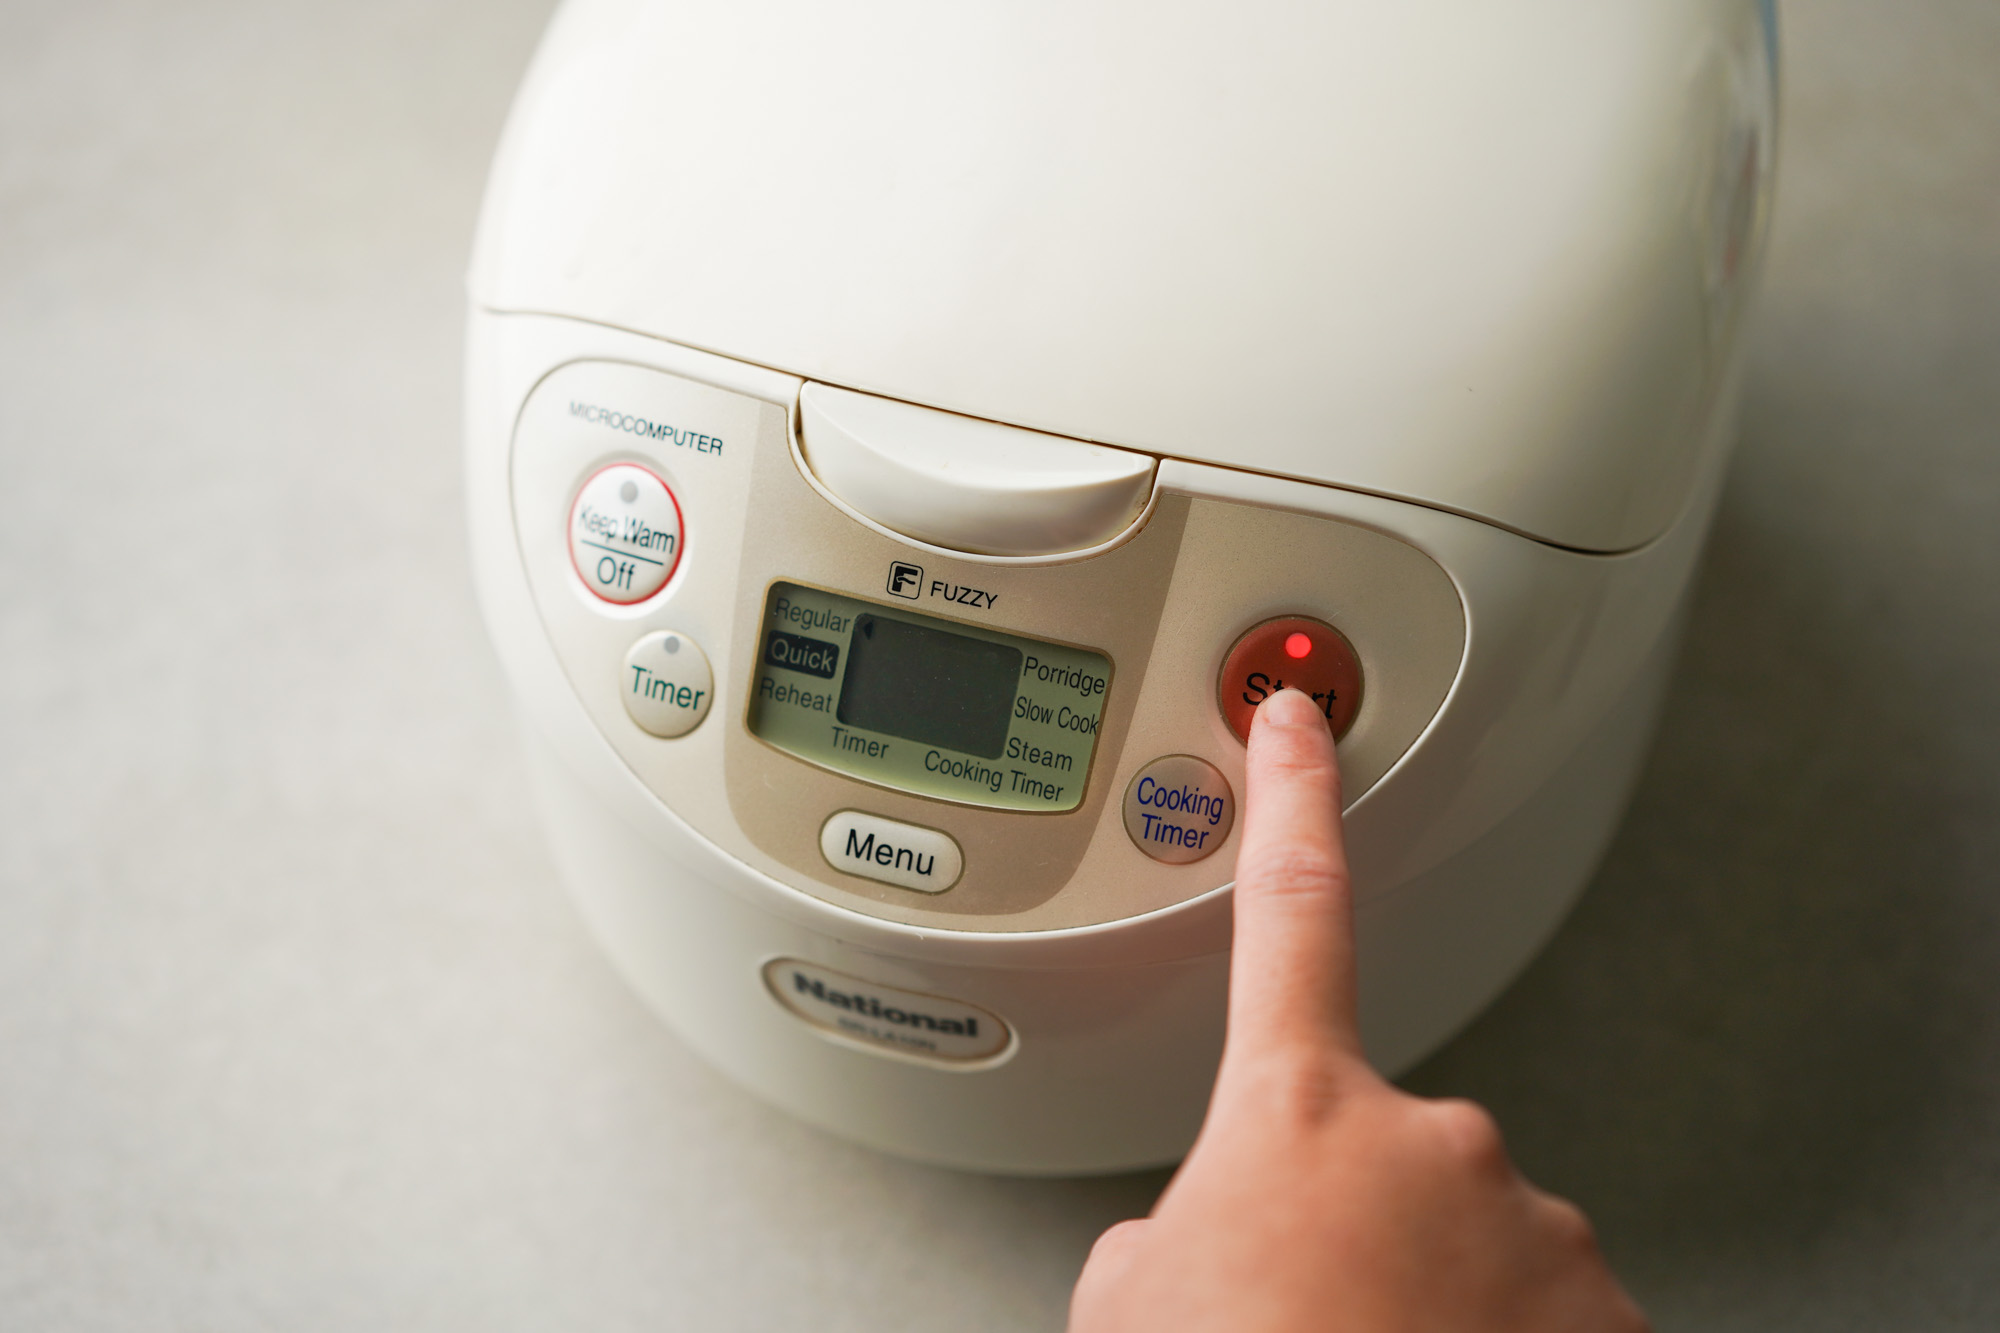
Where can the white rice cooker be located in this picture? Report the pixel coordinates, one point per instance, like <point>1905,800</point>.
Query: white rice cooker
<point>905,441</point>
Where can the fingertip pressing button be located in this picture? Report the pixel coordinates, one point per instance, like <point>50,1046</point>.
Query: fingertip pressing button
<point>1291,652</point>
<point>1179,809</point>
<point>666,684</point>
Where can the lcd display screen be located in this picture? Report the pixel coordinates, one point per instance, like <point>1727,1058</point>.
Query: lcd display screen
<point>941,708</point>
<point>929,685</point>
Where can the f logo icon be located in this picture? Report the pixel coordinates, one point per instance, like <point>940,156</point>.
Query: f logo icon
<point>906,580</point>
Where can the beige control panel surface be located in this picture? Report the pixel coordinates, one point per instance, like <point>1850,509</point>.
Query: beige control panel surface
<point>1163,609</point>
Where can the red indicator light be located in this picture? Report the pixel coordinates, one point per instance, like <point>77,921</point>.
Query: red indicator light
<point>1298,645</point>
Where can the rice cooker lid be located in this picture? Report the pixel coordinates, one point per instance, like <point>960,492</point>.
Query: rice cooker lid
<point>1487,261</point>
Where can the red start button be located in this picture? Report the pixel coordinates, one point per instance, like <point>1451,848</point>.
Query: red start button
<point>1293,652</point>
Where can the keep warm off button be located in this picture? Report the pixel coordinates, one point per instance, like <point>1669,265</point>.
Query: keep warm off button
<point>624,534</point>
<point>894,853</point>
<point>1179,809</point>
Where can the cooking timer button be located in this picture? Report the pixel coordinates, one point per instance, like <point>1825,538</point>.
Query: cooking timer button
<point>666,684</point>
<point>625,534</point>
<point>1294,652</point>
<point>1179,809</point>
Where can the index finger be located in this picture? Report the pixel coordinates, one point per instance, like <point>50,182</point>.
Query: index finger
<point>1291,975</point>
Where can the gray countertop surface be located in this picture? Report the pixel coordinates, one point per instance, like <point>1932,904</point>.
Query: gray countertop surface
<point>297,1030</point>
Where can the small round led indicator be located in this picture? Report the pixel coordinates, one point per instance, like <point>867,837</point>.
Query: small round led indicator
<point>1298,645</point>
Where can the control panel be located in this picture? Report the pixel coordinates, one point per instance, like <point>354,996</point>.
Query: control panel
<point>953,739</point>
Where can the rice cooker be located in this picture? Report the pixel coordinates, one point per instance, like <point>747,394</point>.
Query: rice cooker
<point>904,442</point>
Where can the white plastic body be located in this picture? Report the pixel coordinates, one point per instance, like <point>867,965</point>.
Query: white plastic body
<point>1471,847</point>
<point>1469,276</point>
<point>1484,257</point>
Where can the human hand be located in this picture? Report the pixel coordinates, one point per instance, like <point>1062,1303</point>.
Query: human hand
<point>1318,1196</point>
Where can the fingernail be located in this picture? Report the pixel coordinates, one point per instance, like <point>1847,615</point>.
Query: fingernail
<point>1290,708</point>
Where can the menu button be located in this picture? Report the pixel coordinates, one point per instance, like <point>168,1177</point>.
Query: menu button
<point>894,853</point>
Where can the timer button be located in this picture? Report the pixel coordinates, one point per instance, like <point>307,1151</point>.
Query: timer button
<point>624,534</point>
<point>1179,809</point>
<point>1295,652</point>
<point>666,684</point>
